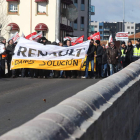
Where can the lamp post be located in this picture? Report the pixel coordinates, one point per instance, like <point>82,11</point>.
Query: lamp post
<point>57,20</point>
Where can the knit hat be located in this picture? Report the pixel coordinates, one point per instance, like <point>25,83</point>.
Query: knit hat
<point>97,41</point>
<point>123,43</point>
<point>138,40</point>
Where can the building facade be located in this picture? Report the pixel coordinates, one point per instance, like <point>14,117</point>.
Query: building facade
<point>27,16</point>
<point>111,28</point>
<point>81,25</point>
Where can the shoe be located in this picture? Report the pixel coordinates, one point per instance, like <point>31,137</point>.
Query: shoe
<point>13,76</point>
<point>84,77</point>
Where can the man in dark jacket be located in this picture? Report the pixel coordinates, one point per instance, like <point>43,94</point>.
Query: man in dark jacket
<point>129,53</point>
<point>112,57</point>
<point>99,53</point>
<point>90,58</point>
<point>104,62</point>
<point>123,54</point>
<point>10,52</point>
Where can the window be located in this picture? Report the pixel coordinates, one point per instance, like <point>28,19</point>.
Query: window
<point>76,3</point>
<point>82,23</point>
<point>132,32</point>
<point>132,27</point>
<point>41,8</point>
<point>128,32</point>
<point>95,26</point>
<point>13,7</point>
<point>75,24</point>
<point>100,27</point>
<point>101,32</point>
<point>82,5</point>
<point>138,28</point>
<point>128,27</point>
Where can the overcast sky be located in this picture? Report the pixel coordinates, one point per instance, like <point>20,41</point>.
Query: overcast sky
<point>112,10</point>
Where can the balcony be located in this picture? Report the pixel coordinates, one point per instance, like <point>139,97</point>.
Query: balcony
<point>106,34</point>
<point>92,10</point>
<point>106,29</point>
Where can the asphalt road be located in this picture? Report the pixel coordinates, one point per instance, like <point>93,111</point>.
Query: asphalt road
<point>21,99</point>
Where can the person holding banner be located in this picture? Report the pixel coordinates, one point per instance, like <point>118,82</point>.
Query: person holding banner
<point>90,58</point>
<point>10,51</point>
<point>2,57</point>
<point>68,73</point>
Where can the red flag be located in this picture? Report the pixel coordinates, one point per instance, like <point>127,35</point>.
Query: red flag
<point>95,36</point>
<point>30,35</point>
<point>37,36</point>
<point>79,40</point>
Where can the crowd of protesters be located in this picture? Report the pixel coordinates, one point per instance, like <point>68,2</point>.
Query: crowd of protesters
<point>109,60</point>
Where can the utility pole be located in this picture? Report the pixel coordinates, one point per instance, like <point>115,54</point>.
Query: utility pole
<point>57,20</point>
<point>123,28</point>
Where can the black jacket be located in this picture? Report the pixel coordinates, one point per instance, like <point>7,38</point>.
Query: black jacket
<point>10,51</point>
<point>129,53</point>
<point>104,56</point>
<point>91,51</point>
<point>99,53</point>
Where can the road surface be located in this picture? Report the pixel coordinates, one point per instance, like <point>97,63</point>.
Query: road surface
<point>21,99</point>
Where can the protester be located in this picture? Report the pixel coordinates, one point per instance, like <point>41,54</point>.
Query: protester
<point>10,51</point>
<point>123,56</point>
<point>98,56</point>
<point>136,51</point>
<point>129,53</point>
<point>68,72</point>
<point>112,56</point>
<point>104,62</point>
<point>90,58</point>
<point>2,58</point>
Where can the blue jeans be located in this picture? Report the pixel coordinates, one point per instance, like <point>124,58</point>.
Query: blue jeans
<point>104,70</point>
<point>87,66</point>
<point>112,69</point>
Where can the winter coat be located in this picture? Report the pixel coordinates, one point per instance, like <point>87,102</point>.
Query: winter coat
<point>99,53</point>
<point>104,57</point>
<point>91,51</point>
<point>112,53</point>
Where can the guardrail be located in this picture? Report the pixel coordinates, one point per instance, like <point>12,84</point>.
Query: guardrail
<point>107,110</point>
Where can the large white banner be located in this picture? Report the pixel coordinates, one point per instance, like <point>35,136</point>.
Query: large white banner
<point>122,36</point>
<point>29,54</point>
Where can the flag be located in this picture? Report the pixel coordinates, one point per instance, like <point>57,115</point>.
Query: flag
<point>72,39</point>
<point>15,37</point>
<point>95,36</point>
<point>110,39</point>
<point>30,35</point>
<point>79,40</point>
<point>36,37</point>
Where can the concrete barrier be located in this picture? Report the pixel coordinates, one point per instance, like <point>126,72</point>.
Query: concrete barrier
<point>108,110</point>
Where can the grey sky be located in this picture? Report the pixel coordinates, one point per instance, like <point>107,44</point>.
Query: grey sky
<point>112,10</point>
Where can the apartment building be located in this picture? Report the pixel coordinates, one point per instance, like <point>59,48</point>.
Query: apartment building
<point>81,25</point>
<point>111,28</point>
<point>27,16</point>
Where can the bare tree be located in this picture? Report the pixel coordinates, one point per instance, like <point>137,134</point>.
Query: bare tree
<point>4,17</point>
